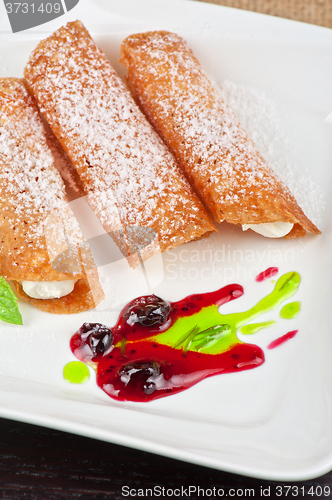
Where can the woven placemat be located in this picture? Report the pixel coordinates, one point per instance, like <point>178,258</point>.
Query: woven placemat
<point>308,11</point>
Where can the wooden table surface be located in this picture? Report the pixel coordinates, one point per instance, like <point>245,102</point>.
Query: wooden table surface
<point>38,463</point>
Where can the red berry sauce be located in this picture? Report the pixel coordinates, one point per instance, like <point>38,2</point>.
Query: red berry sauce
<point>132,366</point>
<point>268,273</point>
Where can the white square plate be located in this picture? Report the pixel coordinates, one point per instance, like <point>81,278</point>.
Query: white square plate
<point>273,422</point>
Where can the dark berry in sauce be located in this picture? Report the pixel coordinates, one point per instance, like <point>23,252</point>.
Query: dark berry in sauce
<point>141,374</point>
<point>98,336</point>
<point>148,310</point>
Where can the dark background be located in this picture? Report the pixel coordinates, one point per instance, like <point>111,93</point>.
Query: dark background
<point>42,464</point>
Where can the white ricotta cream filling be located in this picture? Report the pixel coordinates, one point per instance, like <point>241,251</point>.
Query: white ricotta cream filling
<point>48,289</point>
<point>270,229</point>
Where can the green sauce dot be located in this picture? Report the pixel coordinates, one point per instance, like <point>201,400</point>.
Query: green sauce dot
<point>291,310</point>
<point>76,372</point>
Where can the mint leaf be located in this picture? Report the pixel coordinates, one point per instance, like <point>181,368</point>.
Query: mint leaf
<point>8,304</point>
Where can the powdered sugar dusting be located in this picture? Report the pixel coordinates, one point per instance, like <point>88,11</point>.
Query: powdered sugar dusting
<point>31,188</point>
<point>219,158</point>
<point>30,170</point>
<point>262,120</point>
<point>129,175</point>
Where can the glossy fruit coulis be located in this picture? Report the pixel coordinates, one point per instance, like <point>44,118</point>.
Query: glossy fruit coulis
<point>268,273</point>
<point>158,348</point>
<point>280,340</point>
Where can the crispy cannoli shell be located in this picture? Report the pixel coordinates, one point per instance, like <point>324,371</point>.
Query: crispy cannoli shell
<point>39,236</point>
<point>218,157</point>
<point>130,177</point>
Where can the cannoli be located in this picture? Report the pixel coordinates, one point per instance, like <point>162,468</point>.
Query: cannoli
<point>219,159</point>
<point>41,247</point>
<point>132,180</point>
